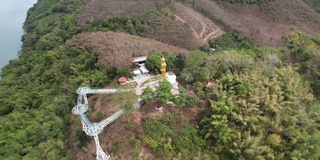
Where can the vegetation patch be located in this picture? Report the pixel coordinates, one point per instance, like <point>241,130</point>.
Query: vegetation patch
<point>172,137</point>
<point>151,80</point>
<point>244,1</point>
<point>116,50</point>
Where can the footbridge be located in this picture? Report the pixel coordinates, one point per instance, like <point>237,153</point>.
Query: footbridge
<point>94,129</point>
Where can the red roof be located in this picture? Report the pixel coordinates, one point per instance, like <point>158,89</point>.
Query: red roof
<point>122,79</point>
<point>157,105</point>
<point>209,85</point>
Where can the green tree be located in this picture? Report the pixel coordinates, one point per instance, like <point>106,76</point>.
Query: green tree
<point>153,63</point>
<point>180,63</point>
<point>123,72</point>
<point>203,75</point>
<point>130,27</point>
<point>163,93</point>
<point>264,116</point>
<point>194,62</point>
<point>147,95</point>
<point>180,99</point>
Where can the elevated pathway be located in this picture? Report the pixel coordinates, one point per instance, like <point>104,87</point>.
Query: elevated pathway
<point>94,129</point>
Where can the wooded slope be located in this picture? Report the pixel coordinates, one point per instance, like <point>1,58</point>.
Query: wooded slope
<point>116,49</point>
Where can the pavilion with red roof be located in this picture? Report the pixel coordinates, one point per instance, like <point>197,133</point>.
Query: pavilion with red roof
<point>122,80</point>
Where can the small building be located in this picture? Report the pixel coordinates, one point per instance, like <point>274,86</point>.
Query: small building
<point>122,80</point>
<point>171,77</point>
<point>140,60</point>
<point>137,72</point>
<point>143,69</point>
<point>208,85</point>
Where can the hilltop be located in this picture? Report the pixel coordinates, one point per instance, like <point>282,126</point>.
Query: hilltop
<point>255,95</point>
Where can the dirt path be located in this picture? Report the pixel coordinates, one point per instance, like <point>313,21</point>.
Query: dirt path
<point>183,21</point>
<point>203,28</point>
<point>213,35</point>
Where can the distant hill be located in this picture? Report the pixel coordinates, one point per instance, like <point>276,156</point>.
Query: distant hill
<point>264,22</point>
<point>315,4</point>
<point>100,9</point>
<point>165,21</point>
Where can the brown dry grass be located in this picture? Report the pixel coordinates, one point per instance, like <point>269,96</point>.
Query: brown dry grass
<point>269,22</point>
<point>188,30</point>
<point>115,49</point>
<point>315,4</point>
<point>100,9</point>
<point>167,29</point>
<point>203,28</point>
<point>265,24</point>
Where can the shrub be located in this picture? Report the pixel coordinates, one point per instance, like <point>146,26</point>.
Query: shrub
<point>125,72</point>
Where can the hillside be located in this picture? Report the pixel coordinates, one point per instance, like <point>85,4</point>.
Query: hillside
<point>269,22</point>
<point>203,28</point>
<point>100,9</point>
<point>264,24</point>
<point>163,21</point>
<point>144,14</point>
<point>257,96</point>
<point>314,4</point>
<point>115,50</point>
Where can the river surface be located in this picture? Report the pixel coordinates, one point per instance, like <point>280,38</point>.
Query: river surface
<point>12,16</point>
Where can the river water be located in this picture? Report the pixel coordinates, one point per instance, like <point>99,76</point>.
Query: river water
<point>12,16</point>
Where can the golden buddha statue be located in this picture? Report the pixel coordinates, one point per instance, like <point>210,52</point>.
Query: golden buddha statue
<point>163,68</point>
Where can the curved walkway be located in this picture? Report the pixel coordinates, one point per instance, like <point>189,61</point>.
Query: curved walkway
<point>94,129</point>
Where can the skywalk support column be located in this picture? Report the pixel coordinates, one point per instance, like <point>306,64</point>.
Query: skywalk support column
<point>85,98</point>
<point>101,155</point>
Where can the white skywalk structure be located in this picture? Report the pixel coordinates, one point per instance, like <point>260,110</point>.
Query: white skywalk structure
<point>94,129</point>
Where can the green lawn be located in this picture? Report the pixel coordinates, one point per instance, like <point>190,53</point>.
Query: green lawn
<point>151,80</point>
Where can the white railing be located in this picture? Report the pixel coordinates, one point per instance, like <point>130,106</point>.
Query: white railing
<point>94,129</point>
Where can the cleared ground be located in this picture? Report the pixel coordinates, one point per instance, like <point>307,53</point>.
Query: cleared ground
<point>202,27</point>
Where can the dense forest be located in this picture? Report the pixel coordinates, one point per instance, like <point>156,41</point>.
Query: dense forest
<point>263,104</point>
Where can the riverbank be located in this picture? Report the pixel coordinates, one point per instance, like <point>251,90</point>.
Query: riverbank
<point>12,14</point>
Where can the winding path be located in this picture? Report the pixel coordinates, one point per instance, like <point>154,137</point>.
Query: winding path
<point>195,20</point>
